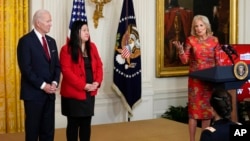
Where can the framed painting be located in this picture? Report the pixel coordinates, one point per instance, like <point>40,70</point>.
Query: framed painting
<point>173,27</point>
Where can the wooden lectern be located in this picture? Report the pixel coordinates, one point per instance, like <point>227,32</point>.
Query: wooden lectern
<point>224,77</point>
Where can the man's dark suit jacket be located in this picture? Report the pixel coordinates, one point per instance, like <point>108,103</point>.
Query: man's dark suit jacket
<point>35,67</point>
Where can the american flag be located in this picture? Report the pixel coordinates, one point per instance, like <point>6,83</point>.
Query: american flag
<point>125,52</point>
<point>78,12</point>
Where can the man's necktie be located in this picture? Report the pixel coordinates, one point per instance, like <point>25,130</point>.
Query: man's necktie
<point>45,47</point>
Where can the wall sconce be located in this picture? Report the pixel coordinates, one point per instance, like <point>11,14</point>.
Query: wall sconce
<point>98,10</point>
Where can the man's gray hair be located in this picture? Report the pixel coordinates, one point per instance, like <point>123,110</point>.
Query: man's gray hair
<point>38,15</point>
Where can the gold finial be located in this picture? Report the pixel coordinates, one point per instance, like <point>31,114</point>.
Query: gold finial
<point>98,10</point>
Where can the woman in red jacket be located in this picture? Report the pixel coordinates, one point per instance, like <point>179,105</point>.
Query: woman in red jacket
<point>82,72</point>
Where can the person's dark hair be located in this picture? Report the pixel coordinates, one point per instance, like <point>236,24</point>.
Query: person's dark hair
<point>221,101</point>
<point>75,41</point>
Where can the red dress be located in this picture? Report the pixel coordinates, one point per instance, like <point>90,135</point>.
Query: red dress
<point>200,55</point>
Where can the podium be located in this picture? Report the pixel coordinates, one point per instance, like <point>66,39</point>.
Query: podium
<point>223,77</point>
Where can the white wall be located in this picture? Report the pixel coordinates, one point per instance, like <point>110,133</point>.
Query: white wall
<point>244,20</point>
<point>157,93</point>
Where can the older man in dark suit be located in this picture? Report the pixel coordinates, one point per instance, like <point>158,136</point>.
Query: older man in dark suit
<point>40,74</point>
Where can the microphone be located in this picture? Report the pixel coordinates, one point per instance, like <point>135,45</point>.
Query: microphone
<point>230,51</point>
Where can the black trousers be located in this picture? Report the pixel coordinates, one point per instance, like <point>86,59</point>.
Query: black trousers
<point>39,120</point>
<point>78,125</point>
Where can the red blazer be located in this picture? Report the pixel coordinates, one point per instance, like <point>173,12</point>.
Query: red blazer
<point>74,81</point>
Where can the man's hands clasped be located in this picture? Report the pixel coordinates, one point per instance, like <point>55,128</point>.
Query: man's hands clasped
<point>50,88</point>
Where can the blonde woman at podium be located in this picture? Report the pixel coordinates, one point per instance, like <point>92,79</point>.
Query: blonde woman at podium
<point>200,52</point>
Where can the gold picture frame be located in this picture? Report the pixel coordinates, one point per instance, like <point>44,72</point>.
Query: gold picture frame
<point>161,70</point>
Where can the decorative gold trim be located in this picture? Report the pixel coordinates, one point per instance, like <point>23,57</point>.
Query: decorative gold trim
<point>98,10</point>
<point>241,70</point>
<point>233,26</point>
<point>161,70</point>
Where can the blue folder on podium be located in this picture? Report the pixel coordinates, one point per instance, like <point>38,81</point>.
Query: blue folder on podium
<point>221,76</point>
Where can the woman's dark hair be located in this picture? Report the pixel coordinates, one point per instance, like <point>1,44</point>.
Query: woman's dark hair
<point>75,41</point>
<point>221,101</point>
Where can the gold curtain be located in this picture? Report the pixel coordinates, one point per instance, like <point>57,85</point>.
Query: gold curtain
<point>14,22</point>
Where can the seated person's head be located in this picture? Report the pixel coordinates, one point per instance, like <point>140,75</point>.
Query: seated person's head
<point>221,102</point>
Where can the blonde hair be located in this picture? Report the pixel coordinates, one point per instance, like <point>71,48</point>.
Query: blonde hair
<point>205,20</point>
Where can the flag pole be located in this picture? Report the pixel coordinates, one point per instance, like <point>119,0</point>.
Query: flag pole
<point>128,117</point>
<point>127,59</point>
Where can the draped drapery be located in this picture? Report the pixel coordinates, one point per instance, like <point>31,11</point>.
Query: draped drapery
<point>14,22</point>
